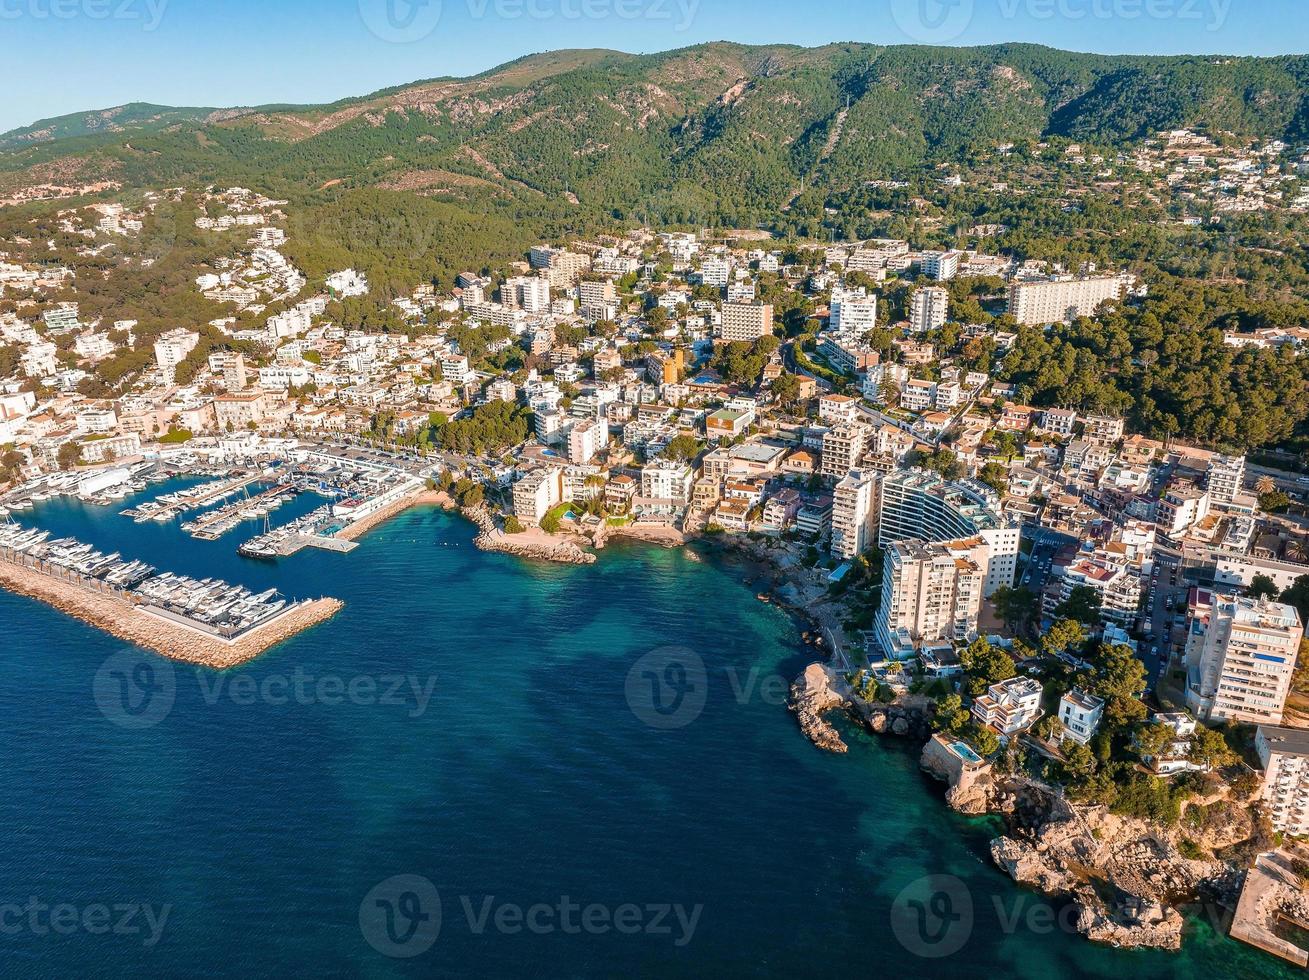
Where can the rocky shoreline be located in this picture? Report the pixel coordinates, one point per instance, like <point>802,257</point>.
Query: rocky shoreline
<point>1125,878</point>
<point>537,545</point>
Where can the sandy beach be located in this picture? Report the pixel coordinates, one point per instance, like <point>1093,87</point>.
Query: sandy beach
<point>422,498</point>
<point>121,618</point>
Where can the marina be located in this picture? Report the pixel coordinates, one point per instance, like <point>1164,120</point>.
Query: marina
<point>205,621</point>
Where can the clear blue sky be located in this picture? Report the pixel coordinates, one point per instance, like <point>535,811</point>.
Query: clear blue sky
<point>64,56</point>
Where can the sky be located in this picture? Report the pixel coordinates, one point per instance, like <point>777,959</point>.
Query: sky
<point>63,56</point>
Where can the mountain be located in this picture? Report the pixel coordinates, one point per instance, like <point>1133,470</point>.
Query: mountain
<point>722,131</point>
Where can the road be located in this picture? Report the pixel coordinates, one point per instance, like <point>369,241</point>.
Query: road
<point>1166,589</point>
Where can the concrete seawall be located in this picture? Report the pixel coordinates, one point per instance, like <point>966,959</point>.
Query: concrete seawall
<point>120,617</point>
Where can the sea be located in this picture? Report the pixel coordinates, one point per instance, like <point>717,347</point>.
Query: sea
<point>485,766</point>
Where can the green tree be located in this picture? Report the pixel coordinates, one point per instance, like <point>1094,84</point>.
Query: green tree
<point>985,665</point>
<point>1262,587</point>
<point>1018,607</point>
<point>1064,635</point>
<point>1082,605</point>
<point>951,716</point>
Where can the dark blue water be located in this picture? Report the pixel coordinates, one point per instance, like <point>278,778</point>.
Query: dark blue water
<point>528,788</point>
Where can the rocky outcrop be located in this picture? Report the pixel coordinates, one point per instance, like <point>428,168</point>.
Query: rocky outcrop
<point>1124,876</point>
<point>537,546</point>
<point>812,695</point>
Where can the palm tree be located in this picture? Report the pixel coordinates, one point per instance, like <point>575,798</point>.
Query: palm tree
<point>1265,485</point>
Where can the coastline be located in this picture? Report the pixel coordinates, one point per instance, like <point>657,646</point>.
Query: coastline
<point>121,618</point>
<point>366,524</point>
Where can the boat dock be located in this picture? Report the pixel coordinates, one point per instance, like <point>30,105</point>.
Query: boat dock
<point>170,505</point>
<point>208,622</point>
<point>214,524</point>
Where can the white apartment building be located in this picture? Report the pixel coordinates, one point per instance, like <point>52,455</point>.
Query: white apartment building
<point>1181,508</point>
<point>837,408</point>
<point>1040,302</point>
<point>1225,479</point>
<point>715,270</point>
<point>172,348</point>
<point>929,308</point>
<point>1080,714</point>
<point>919,504</point>
<point>931,594</point>
<point>1059,421</point>
<point>585,439</point>
<point>941,266</point>
<point>1009,707</point>
<point>667,480</point>
<point>853,311</point>
<point>529,293</point>
<point>597,299</point>
<point>536,493</point>
<point>1284,753</point>
<point>843,447</point>
<point>746,321</point>
<point>854,514</point>
<point>1240,654</point>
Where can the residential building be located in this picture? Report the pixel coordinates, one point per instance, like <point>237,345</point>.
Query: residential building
<point>172,348</point>
<point>920,504</point>
<point>1284,753</point>
<point>1009,707</point>
<point>843,447</point>
<point>667,480</point>
<point>585,439</point>
<point>929,308</point>
<point>746,321</point>
<point>1080,713</point>
<point>854,514</point>
<point>1041,302</point>
<point>1225,478</point>
<point>1240,654</point>
<point>536,493</point>
<point>852,311</point>
<point>931,594</point>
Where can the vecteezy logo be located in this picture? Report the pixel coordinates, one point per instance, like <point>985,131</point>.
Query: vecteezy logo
<point>401,21</point>
<point>666,688</point>
<point>933,916</point>
<point>932,21</point>
<point>135,690</point>
<point>401,917</point>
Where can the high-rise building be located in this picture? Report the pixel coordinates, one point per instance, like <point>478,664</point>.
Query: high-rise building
<point>931,594</point>
<point>172,348</point>
<point>1284,753</point>
<point>853,311</point>
<point>928,308</point>
<point>586,439</point>
<point>536,493</point>
<point>920,504</point>
<point>1039,302</point>
<point>1225,479</point>
<point>597,299</point>
<point>942,266</point>
<point>854,514</point>
<point>843,447</point>
<point>529,293</point>
<point>1240,654</point>
<point>746,321</point>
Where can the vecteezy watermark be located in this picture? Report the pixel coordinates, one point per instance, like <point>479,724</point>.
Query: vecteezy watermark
<point>401,917</point>
<point>150,13</point>
<point>37,918</point>
<point>408,691</point>
<point>932,917</point>
<point>941,21</point>
<point>136,690</point>
<point>668,688</point>
<point>407,21</point>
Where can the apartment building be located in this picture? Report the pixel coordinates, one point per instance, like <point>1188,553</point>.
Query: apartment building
<point>528,293</point>
<point>854,514</point>
<point>667,480</point>
<point>852,311</point>
<point>536,493</point>
<point>597,299</point>
<point>1240,654</point>
<point>172,348</point>
<point>929,308</point>
<point>562,267</point>
<point>931,594</point>
<point>1009,707</point>
<point>919,504</point>
<point>1225,478</point>
<point>941,266</point>
<point>585,439</point>
<point>1284,753</point>
<point>843,446</point>
<point>1040,302</point>
<point>746,321</point>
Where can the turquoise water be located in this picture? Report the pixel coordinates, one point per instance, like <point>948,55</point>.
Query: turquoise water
<point>536,769</point>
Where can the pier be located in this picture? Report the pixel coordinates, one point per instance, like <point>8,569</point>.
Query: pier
<point>208,622</point>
